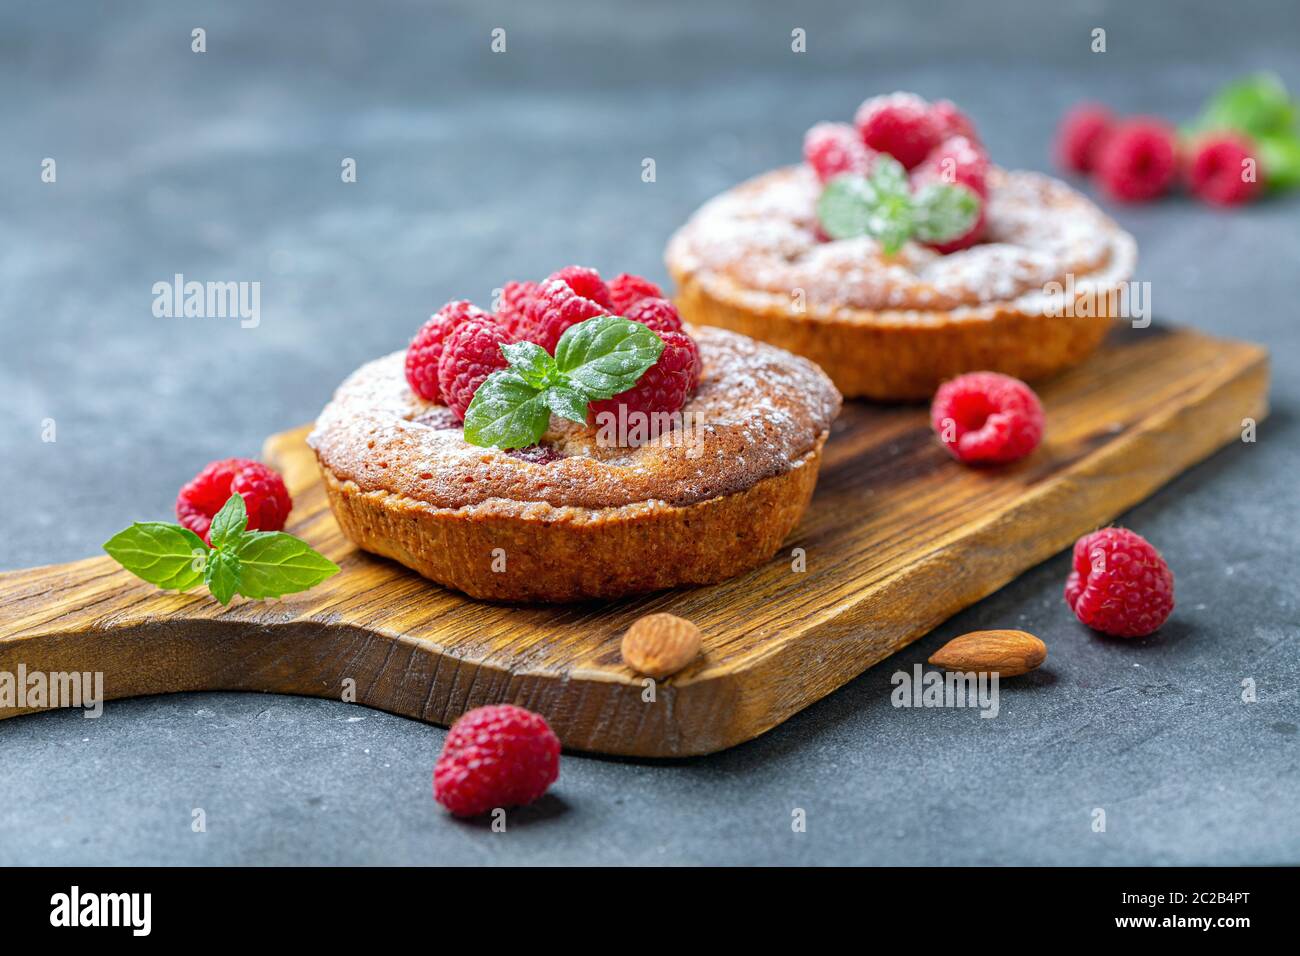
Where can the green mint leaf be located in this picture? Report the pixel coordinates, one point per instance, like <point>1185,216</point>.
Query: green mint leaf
<point>606,355</point>
<point>228,523</point>
<point>533,363</point>
<point>1279,160</point>
<point>166,555</point>
<point>566,402</point>
<point>275,563</point>
<point>1258,105</point>
<point>945,211</point>
<point>879,205</point>
<point>506,412</point>
<point>222,575</point>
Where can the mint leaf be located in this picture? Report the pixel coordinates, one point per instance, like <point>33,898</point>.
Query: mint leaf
<point>1279,160</point>
<point>570,403</point>
<point>506,412</point>
<point>222,575</point>
<point>163,554</point>
<point>878,205</point>
<point>1258,105</point>
<point>606,355</point>
<point>274,563</point>
<point>533,363</point>
<point>945,211</point>
<point>228,523</point>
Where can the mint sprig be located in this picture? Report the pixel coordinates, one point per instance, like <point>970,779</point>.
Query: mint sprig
<point>256,564</point>
<point>882,205</point>
<point>596,359</point>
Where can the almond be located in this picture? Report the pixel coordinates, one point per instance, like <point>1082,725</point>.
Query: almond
<point>1006,653</point>
<point>660,644</point>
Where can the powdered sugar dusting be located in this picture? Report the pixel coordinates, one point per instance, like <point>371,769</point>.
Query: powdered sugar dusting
<point>758,412</point>
<point>760,238</point>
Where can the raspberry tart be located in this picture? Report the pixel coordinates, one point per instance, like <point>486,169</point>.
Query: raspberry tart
<point>898,256</point>
<point>579,442</point>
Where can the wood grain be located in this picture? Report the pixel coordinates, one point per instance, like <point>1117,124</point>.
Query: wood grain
<point>898,538</point>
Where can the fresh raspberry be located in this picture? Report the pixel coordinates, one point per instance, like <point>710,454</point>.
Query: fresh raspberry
<point>496,756</point>
<point>833,149</point>
<point>955,160</point>
<point>265,497</point>
<point>987,418</point>
<point>471,353</point>
<point>426,348</point>
<point>901,125</point>
<point>1217,172</point>
<point>626,290</point>
<point>515,297</point>
<point>665,385</point>
<point>586,282</point>
<point>659,314</point>
<point>967,239</point>
<point>555,307</point>
<point>1120,584</point>
<point>1079,137</point>
<point>952,121</point>
<point>1137,160</point>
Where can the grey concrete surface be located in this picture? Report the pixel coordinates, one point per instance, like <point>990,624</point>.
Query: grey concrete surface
<point>475,168</point>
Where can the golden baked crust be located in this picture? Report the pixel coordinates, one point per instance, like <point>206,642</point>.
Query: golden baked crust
<point>895,328</point>
<point>596,521</point>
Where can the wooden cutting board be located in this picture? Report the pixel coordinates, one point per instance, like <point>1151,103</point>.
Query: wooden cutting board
<point>898,538</point>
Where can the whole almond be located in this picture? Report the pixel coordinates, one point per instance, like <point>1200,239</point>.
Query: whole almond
<point>660,644</point>
<point>1006,653</point>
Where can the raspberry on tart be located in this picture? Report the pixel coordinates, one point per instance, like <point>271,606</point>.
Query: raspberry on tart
<point>471,353</point>
<point>557,304</point>
<point>626,290</point>
<point>425,350</point>
<point>578,516</point>
<point>756,259</point>
<point>832,149</point>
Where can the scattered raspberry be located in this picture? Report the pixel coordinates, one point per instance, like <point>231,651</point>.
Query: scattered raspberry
<point>951,121</point>
<point>515,297</point>
<point>426,348</point>
<point>901,125</point>
<point>555,307</point>
<point>265,496</point>
<point>1120,584</point>
<point>1080,135</point>
<point>964,241</point>
<point>497,756</point>
<point>586,282</point>
<point>665,385</point>
<point>987,418</point>
<point>626,290</point>
<point>833,149</point>
<point>955,160</point>
<point>1137,160</point>
<point>471,353</point>
<point>659,314</point>
<point>1219,170</point>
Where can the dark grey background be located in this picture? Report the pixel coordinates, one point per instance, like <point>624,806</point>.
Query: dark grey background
<point>475,168</point>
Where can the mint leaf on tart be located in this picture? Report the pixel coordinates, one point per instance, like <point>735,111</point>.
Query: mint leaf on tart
<point>945,211</point>
<point>594,359</point>
<point>506,412</point>
<point>256,564</point>
<point>166,555</point>
<point>881,205</point>
<point>606,355</point>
